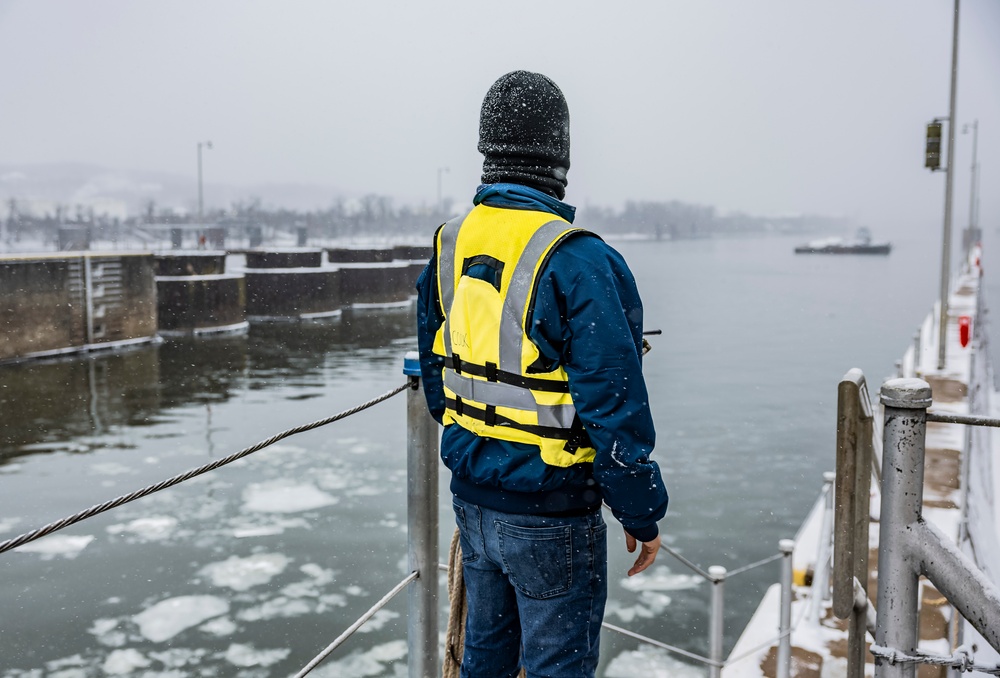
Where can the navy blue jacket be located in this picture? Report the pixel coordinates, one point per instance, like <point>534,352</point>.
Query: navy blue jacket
<point>588,317</point>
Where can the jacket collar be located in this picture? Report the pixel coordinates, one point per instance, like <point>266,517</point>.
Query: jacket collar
<point>516,196</point>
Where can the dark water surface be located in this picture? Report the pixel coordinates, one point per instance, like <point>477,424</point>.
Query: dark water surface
<point>254,568</point>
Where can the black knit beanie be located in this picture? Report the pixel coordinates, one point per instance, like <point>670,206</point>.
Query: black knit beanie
<point>524,133</point>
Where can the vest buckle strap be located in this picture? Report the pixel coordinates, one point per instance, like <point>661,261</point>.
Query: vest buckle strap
<point>459,409</point>
<point>491,371</point>
<point>456,363</point>
<point>490,418</point>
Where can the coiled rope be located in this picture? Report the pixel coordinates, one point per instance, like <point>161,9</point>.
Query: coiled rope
<point>176,480</point>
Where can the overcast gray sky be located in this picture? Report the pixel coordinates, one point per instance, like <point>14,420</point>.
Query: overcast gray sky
<point>769,106</point>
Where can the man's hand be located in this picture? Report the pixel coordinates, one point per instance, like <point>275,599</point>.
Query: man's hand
<point>646,555</point>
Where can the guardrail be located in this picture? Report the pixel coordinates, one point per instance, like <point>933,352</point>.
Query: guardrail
<point>908,545</point>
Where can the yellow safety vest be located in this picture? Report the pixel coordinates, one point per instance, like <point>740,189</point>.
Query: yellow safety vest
<point>493,386</point>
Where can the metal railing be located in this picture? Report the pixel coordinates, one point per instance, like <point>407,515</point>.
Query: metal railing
<point>909,546</point>
<point>717,575</point>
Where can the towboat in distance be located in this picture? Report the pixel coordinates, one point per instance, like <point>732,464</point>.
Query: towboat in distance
<point>861,244</point>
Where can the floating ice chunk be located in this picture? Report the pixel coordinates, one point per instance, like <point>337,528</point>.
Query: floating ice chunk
<point>246,655</point>
<point>177,658</point>
<point>242,574</point>
<point>171,616</point>
<point>282,496</point>
<point>7,524</point>
<point>122,662</point>
<point>223,626</point>
<point>650,662</point>
<point>330,600</point>
<point>243,528</point>
<point>54,545</point>
<point>378,620</point>
<point>110,468</point>
<point>660,578</point>
<point>105,630</point>
<point>650,606</point>
<point>76,660</point>
<point>275,608</point>
<point>309,588</point>
<point>152,528</point>
<point>322,575</point>
<point>364,664</point>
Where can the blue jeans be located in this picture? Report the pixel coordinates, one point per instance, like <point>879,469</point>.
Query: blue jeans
<point>536,589</point>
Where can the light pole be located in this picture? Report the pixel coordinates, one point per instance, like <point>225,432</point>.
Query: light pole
<point>440,170</point>
<point>201,206</point>
<point>971,233</point>
<point>946,245</point>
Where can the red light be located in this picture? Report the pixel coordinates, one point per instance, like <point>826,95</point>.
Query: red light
<point>964,323</point>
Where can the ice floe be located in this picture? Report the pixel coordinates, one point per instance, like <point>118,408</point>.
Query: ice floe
<point>247,655</point>
<point>123,662</point>
<point>167,618</point>
<point>650,662</point>
<point>365,664</point>
<point>378,620</point>
<point>7,524</point>
<point>247,526</point>
<point>650,606</point>
<point>278,607</point>
<point>111,468</point>
<point>152,528</point>
<point>108,632</point>
<point>67,546</point>
<point>283,496</point>
<point>242,574</point>
<point>660,578</point>
<point>222,626</point>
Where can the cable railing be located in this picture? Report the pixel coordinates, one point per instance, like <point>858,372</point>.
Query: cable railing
<point>422,546</point>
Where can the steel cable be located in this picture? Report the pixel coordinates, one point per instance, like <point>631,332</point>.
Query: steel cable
<point>170,482</point>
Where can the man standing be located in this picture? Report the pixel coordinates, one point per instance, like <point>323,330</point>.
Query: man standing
<point>530,337</point>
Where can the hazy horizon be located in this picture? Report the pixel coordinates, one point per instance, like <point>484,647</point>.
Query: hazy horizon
<point>772,108</point>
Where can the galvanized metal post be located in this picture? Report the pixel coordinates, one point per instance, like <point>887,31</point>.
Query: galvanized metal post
<point>715,622</point>
<point>916,355</point>
<point>949,182</point>
<point>422,527</point>
<point>821,577</point>
<point>783,668</point>
<point>906,402</point>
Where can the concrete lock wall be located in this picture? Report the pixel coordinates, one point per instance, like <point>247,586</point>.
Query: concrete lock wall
<point>343,255</point>
<point>413,252</point>
<point>292,258</point>
<point>195,262</point>
<point>54,304</point>
<point>376,283</point>
<point>195,294</point>
<point>200,302</point>
<point>292,293</point>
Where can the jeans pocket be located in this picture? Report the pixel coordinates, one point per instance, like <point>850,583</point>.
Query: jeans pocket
<point>468,555</point>
<point>538,560</point>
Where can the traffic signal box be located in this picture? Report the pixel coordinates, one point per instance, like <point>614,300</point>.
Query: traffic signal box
<point>932,156</point>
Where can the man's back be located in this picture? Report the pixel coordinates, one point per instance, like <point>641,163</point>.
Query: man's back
<point>530,337</point>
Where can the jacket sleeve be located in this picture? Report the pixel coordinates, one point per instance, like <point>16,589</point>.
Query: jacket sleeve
<point>588,316</point>
<point>428,321</point>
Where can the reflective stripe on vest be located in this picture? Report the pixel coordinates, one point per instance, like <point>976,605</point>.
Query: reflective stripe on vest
<point>476,388</point>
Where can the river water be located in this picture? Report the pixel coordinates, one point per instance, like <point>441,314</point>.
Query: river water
<point>252,569</point>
